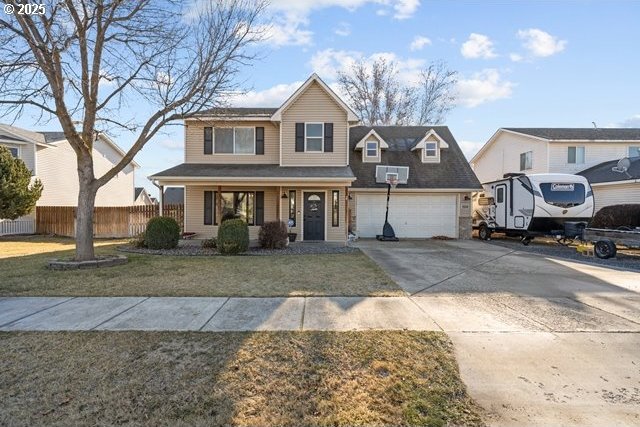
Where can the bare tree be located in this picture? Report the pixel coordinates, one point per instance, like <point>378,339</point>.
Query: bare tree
<point>376,92</point>
<point>437,96</point>
<point>81,61</point>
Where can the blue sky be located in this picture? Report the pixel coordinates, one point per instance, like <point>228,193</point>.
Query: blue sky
<point>520,63</point>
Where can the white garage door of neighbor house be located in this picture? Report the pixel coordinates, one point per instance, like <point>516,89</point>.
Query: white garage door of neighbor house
<point>409,215</point>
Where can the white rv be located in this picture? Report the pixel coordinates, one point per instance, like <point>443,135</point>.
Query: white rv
<point>533,205</point>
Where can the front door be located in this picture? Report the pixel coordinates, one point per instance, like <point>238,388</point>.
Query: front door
<point>313,216</point>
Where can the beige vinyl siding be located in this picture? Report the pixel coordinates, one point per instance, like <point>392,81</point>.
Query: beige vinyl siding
<point>26,152</point>
<point>58,172</point>
<point>618,194</point>
<point>194,206</point>
<point>314,105</point>
<point>504,157</point>
<point>194,143</point>
<point>594,153</point>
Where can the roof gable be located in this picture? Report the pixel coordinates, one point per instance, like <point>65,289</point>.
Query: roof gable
<point>431,134</point>
<point>351,115</point>
<point>372,132</point>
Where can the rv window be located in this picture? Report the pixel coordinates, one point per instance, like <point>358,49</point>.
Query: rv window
<point>564,195</point>
<point>500,195</point>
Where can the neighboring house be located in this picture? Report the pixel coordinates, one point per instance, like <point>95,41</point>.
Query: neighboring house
<point>612,185</point>
<point>50,158</point>
<point>552,150</point>
<point>141,197</point>
<point>558,150</point>
<point>173,196</point>
<point>307,161</point>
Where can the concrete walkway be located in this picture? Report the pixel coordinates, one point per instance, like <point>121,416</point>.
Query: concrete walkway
<point>212,314</point>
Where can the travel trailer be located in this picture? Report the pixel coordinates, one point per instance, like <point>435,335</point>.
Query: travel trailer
<point>533,205</point>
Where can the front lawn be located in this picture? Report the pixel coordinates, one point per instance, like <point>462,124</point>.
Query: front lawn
<point>266,379</point>
<point>23,273</point>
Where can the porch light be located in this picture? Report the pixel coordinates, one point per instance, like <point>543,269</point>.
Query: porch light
<point>284,195</point>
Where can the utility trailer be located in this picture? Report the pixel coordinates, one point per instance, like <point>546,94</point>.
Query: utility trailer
<point>605,240</point>
<point>533,205</point>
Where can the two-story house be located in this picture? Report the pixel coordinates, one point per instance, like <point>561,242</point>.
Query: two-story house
<point>51,158</point>
<point>308,163</point>
<point>562,150</point>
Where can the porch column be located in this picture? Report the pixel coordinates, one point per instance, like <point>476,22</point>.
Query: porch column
<point>347,218</point>
<point>279,204</point>
<point>161,199</point>
<point>219,205</point>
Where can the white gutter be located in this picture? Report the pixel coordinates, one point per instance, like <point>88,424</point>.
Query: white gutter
<point>628,181</point>
<point>247,178</point>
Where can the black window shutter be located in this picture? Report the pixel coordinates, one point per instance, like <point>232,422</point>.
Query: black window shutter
<point>259,208</point>
<point>259,140</point>
<point>208,207</point>
<point>328,137</point>
<point>208,140</point>
<point>299,137</point>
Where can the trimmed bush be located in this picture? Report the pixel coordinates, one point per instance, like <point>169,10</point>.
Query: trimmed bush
<point>273,235</point>
<point>229,215</point>
<point>162,233</point>
<point>617,216</point>
<point>233,237</point>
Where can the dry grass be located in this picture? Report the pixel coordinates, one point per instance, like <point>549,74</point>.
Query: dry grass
<point>262,379</point>
<point>23,272</point>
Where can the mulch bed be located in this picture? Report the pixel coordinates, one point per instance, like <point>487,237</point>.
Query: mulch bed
<point>197,250</point>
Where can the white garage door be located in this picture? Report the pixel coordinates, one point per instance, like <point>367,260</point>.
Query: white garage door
<point>410,215</point>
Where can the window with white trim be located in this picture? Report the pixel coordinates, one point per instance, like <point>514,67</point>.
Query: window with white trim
<point>15,152</point>
<point>314,137</point>
<point>526,160</point>
<point>372,149</point>
<point>575,155</point>
<point>235,140</point>
<point>431,149</point>
<point>634,151</point>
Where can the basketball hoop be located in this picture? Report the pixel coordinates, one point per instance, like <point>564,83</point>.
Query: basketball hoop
<point>392,181</point>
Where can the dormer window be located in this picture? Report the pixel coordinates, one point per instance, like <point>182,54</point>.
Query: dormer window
<point>431,149</point>
<point>372,149</point>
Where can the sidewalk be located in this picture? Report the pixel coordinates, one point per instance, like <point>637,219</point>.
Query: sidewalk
<point>212,314</point>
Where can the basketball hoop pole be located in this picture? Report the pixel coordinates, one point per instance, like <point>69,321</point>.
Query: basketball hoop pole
<point>386,215</point>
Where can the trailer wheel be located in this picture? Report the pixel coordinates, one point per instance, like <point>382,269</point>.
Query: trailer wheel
<point>604,249</point>
<point>484,233</point>
<point>526,240</point>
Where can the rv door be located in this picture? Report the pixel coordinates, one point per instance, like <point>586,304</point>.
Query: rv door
<point>501,205</point>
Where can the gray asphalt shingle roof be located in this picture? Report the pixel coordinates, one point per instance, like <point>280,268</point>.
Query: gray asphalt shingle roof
<point>612,134</point>
<point>50,137</point>
<point>453,171</point>
<point>203,170</point>
<point>238,111</point>
<point>137,192</point>
<point>604,172</point>
<point>173,196</point>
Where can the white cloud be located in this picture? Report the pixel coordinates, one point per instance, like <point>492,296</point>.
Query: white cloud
<point>469,148</point>
<point>540,43</point>
<point>405,8</point>
<point>271,97</point>
<point>482,87</point>
<point>631,122</point>
<point>282,32</point>
<point>419,42</point>
<point>329,62</point>
<point>343,29</point>
<point>172,144</point>
<point>516,57</point>
<point>478,46</point>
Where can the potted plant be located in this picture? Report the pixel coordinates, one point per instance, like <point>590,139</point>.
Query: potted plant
<point>292,236</point>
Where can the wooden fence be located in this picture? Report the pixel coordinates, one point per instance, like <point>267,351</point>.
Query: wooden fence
<point>117,221</point>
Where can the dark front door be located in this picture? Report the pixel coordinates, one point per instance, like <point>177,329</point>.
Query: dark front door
<point>313,216</point>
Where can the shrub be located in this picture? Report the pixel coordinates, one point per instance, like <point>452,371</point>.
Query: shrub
<point>233,237</point>
<point>162,233</point>
<point>229,215</point>
<point>617,216</point>
<point>138,241</point>
<point>209,243</point>
<point>273,235</point>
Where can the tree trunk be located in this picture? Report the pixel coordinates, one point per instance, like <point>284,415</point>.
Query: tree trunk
<point>84,212</point>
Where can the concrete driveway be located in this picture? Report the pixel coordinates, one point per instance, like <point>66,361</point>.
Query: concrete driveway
<point>540,341</point>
